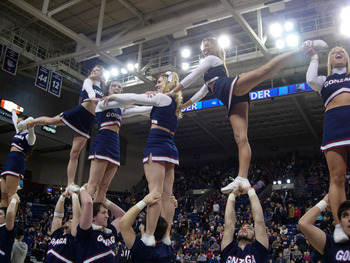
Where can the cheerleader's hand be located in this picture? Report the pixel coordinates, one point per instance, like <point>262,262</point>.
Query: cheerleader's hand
<point>308,48</point>
<point>150,94</point>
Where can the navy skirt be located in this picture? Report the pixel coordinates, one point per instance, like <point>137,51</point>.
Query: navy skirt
<point>79,120</point>
<point>162,147</point>
<point>106,147</point>
<point>223,89</point>
<point>15,164</point>
<point>336,128</point>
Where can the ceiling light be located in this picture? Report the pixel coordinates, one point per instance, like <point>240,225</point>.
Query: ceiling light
<point>344,28</point>
<point>345,13</point>
<point>185,66</point>
<point>123,71</point>
<point>292,40</point>
<point>288,26</point>
<point>224,41</point>
<point>114,72</point>
<point>276,30</point>
<point>280,43</point>
<point>130,66</point>
<point>185,53</point>
<point>288,181</point>
<point>279,182</point>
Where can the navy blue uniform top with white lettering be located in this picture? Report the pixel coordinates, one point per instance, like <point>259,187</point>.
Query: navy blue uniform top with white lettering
<point>98,93</point>
<point>7,238</point>
<point>96,245</point>
<point>334,85</point>
<point>62,247</point>
<point>218,71</point>
<point>20,142</point>
<point>165,116</point>
<point>254,252</point>
<point>336,252</point>
<point>109,117</point>
<point>161,253</point>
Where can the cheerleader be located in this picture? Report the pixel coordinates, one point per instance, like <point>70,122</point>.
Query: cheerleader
<point>234,94</point>
<point>14,169</point>
<point>79,119</point>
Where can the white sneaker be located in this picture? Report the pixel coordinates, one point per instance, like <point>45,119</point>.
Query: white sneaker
<point>166,240</point>
<point>73,187</point>
<point>22,125</point>
<point>319,45</point>
<point>235,182</point>
<point>339,234</point>
<point>148,240</point>
<point>229,188</point>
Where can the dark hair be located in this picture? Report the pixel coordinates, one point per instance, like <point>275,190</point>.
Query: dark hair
<point>343,207</point>
<point>19,233</point>
<point>161,228</point>
<point>108,85</point>
<point>4,209</point>
<point>96,208</point>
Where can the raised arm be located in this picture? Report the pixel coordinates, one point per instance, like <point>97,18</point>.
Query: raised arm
<point>76,213</point>
<point>128,219</point>
<point>11,212</point>
<point>230,218</point>
<point>87,207</point>
<point>117,212</point>
<point>312,78</point>
<point>14,119</point>
<point>59,213</point>
<point>315,235</point>
<point>208,62</point>
<point>126,99</point>
<point>87,86</point>
<point>258,216</point>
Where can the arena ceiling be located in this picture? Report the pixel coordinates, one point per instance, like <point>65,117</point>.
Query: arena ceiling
<point>72,36</point>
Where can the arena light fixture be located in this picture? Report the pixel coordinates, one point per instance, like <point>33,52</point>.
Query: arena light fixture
<point>288,181</point>
<point>280,43</point>
<point>106,74</point>
<point>123,71</point>
<point>279,182</point>
<point>185,52</point>
<point>224,41</point>
<point>114,72</point>
<point>185,66</point>
<point>292,40</point>
<point>288,26</point>
<point>136,65</point>
<point>130,66</point>
<point>276,30</point>
<point>345,13</point>
<point>345,28</point>
<point>274,182</point>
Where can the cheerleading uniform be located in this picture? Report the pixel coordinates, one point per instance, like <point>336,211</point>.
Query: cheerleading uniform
<point>336,252</point>
<point>79,119</point>
<point>23,141</point>
<point>336,126</point>
<point>160,143</point>
<point>161,253</point>
<point>96,245</point>
<point>106,144</point>
<point>62,248</point>
<point>254,252</point>
<point>223,88</point>
<point>6,242</point>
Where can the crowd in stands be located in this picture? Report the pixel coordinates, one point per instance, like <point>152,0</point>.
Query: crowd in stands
<point>198,226</point>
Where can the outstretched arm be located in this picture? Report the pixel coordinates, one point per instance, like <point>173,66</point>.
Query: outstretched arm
<point>59,213</point>
<point>76,213</point>
<point>128,219</point>
<point>258,216</point>
<point>14,119</point>
<point>117,212</point>
<point>249,80</point>
<point>11,212</point>
<point>87,86</point>
<point>230,218</point>
<point>136,110</point>
<point>126,99</point>
<point>86,213</point>
<point>315,235</point>
<point>196,97</point>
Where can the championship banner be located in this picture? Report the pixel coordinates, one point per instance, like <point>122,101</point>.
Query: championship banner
<point>55,84</point>
<point>10,61</point>
<point>42,78</point>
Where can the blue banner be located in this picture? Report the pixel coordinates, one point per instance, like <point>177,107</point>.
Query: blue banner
<point>42,78</point>
<point>10,61</point>
<point>55,84</point>
<point>254,95</point>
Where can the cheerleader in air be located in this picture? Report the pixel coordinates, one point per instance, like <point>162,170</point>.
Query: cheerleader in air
<point>80,119</point>
<point>14,169</point>
<point>233,93</point>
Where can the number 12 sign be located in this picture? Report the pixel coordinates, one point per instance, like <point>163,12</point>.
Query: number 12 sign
<point>42,77</point>
<point>55,84</point>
